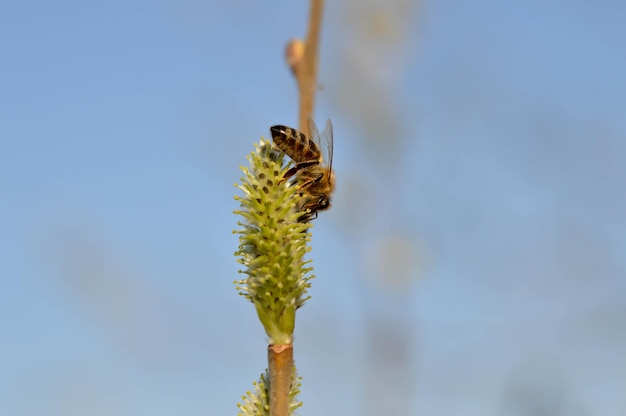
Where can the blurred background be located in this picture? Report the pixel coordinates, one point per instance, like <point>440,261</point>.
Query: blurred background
<point>473,262</point>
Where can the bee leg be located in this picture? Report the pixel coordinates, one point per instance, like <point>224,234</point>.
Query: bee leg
<point>307,217</point>
<point>298,167</point>
<point>291,172</point>
<point>310,180</point>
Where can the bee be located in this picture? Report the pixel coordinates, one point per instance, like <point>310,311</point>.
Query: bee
<point>313,160</point>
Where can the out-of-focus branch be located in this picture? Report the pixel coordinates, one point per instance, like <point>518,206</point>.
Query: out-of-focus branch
<point>302,57</point>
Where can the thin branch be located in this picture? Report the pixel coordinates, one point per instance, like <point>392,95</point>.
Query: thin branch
<point>306,70</point>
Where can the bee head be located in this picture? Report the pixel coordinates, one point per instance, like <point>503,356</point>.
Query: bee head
<point>323,203</point>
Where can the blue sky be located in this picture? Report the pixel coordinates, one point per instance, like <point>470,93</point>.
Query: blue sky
<point>472,264</point>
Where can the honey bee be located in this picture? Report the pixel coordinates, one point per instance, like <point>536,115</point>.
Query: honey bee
<point>313,160</point>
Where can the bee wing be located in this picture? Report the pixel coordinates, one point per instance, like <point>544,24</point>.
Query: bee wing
<point>324,142</point>
<point>313,132</point>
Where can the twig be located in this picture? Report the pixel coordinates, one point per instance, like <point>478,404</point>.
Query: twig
<point>280,365</point>
<point>305,66</point>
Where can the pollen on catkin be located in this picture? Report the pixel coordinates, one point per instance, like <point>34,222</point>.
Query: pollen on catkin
<point>272,243</point>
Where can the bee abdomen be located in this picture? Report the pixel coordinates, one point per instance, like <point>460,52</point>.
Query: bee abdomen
<point>295,144</point>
